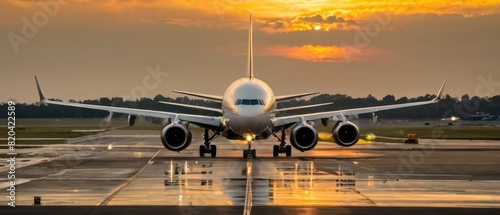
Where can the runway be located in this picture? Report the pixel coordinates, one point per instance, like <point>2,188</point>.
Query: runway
<point>130,169</point>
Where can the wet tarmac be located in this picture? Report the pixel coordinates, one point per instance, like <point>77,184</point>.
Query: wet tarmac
<point>131,170</point>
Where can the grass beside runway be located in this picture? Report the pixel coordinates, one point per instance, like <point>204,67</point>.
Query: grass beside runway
<point>59,133</point>
<point>50,132</point>
<point>59,129</point>
<point>68,128</point>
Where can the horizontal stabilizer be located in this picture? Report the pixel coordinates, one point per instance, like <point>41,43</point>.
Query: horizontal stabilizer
<point>289,97</point>
<point>304,107</point>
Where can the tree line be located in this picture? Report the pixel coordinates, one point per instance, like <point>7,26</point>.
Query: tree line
<point>448,106</point>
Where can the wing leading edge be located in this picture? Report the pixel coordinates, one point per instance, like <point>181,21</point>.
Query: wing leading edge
<point>200,95</point>
<point>199,120</point>
<point>339,114</point>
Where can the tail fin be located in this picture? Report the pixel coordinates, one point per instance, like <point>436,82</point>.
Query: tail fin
<point>440,93</point>
<point>250,51</point>
<point>40,92</point>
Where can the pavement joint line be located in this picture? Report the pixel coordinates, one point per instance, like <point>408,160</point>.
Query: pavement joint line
<point>128,181</point>
<point>247,210</point>
<point>142,142</point>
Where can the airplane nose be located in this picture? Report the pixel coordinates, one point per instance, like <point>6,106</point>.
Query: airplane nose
<point>250,111</point>
<point>248,119</point>
<point>249,124</point>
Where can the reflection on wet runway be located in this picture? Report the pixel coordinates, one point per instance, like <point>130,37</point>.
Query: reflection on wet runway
<point>287,183</point>
<point>137,171</point>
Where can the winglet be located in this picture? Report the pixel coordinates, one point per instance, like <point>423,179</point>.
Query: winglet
<point>250,51</point>
<point>40,92</point>
<point>440,93</point>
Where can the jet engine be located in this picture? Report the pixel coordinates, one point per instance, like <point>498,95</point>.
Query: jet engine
<point>176,137</point>
<point>345,134</point>
<point>303,137</point>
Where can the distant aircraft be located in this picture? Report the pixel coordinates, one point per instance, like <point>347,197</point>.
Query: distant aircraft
<point>248,113</point>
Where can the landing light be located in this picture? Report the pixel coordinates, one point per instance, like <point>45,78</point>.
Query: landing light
<point>371,137</point>
<point>249,138</point>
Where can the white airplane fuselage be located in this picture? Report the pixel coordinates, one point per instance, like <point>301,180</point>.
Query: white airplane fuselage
<point>248,107</point>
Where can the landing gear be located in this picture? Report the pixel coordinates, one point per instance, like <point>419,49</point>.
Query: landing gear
<point>276,150</point>
<point>202,150</point>
<point>206,147</point>
<point>249,153</point>
<point>282,148</point>
<point>288,150</point>
<point>213,151</point>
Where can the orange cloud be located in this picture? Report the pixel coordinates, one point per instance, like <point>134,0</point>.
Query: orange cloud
<point>318,53</point>
<point>357,14</point>
<point>276,16</point>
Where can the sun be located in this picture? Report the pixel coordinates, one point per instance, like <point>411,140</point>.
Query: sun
<point>317,28</point>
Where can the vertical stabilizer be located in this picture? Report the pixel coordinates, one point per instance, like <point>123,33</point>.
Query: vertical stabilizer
<point>40,92</point>
<point>250,51</point>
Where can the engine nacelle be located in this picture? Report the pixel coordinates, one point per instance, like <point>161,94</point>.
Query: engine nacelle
<point>176,137</point>
<point>345,134</point>
<point>131,120</point>
<point>304,137</point>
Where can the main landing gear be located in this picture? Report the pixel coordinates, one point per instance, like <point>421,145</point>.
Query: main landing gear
<point>206,147</point>
<point>282,148</point>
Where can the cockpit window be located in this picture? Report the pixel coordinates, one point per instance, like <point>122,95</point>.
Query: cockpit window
<point>249,102</point>
<point>254,102</point>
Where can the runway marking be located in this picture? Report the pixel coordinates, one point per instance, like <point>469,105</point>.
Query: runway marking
<point>248,192</point>
<point>129,180</point>
<point>366,197</point>
<point>364,167</point>
<point>142,142</point>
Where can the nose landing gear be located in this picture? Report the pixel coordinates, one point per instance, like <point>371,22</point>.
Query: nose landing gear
<point>249,153</point>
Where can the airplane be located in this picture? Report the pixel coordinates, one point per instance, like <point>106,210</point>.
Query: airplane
<point>248,112</point>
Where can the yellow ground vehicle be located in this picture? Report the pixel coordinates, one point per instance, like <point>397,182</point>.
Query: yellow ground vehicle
<point>412,138</point>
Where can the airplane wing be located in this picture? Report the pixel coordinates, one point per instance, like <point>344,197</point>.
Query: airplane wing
<point>205,96</point>
<point>288,97</point>
<point>303,107</point>
<point>194,106</point>
<point>340,114</point>
<point>203,121</point>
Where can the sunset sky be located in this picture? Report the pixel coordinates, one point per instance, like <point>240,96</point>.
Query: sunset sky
<point>82,49</point>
